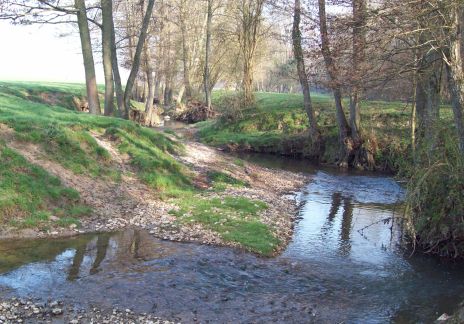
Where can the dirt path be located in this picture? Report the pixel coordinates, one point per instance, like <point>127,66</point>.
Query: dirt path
<point>129,202</point>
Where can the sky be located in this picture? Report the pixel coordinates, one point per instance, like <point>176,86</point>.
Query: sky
<point>38,53</point>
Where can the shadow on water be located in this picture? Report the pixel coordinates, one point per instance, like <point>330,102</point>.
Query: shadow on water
<point>345,263</point>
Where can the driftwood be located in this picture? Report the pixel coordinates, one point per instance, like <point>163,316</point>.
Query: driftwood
<point>195,111</point>
<point>80,104</point>
<point>149,119</point>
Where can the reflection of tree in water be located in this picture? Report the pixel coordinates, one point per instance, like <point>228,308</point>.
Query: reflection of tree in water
<point>334,208</point>
<point>128,244</point>
<point>79,255</point>
<point>347,220</point>
<point>102,246</point>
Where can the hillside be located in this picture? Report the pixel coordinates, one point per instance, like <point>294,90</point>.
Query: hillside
<point>65,172</point>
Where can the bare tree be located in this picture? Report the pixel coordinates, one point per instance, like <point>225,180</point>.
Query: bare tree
<point>137,56</point>
<point>249,17</point>
<point>206,73</point>
<point>87,54</point>
<point>107,48</point>
<point>298,53</point>
<point>454,68</point>
<point>346,145</point>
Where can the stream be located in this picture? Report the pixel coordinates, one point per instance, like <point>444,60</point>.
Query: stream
<point>344,264</point>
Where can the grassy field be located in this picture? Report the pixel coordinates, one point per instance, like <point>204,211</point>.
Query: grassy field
<point>278,124</point>
<point>41,113</point>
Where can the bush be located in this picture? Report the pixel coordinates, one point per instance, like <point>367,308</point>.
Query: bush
<point>436,207</point>
<point>231,107</point>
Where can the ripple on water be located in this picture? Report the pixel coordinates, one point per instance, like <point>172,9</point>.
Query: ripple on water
<point>344,264</point>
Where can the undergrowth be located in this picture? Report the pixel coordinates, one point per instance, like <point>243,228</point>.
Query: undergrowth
<point>435,200</point>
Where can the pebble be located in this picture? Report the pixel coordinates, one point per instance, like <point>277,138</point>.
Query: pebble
<point>57,311</point>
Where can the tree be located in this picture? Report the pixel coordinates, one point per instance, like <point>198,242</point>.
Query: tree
<point>359,44</point>
<point>137,56</point>
<point>107,48</point>
<point>206,73</point>
<point>345,142</point>
<point>454,68</point>
<point>249,18</point>
<point>87,55</point>
<point>298,54</point>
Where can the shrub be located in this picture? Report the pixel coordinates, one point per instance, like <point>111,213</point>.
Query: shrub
<point>435,205</point>
<point>231,107</point>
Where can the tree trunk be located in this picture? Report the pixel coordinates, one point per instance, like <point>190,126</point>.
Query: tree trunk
<point>185,52</point>
<point>455,73</point>
<point>298,53</point>
<point>89,66</point>
<point>150,80</point>
<point>206,81</point>
<point>345,141</point>
<point>138,54</point>
<point>115,65</point>
<point>428,89</point>
<point>359,44</point>
<point>107,38</point>
<point>248,81</point>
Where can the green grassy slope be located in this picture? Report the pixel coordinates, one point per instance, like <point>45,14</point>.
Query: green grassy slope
<point>29,195</point>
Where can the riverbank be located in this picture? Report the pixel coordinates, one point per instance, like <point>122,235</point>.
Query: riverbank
<point>118,175</point>
<point>19,310</point>
<point>278,124</point>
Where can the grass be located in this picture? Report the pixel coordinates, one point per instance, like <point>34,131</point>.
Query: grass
<point>65,136</point>
<point>28,200</point>
<point>28,194</point>
<point>221,180</point>
<point>234,218</point>
<point>278,124</point>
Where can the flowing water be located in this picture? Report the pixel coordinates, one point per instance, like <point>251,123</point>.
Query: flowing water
<point>344,264</point>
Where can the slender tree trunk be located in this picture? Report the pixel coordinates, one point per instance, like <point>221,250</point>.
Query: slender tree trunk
<point>299,58</point>
<point>359,44</point>
<point>137,56</point>
<point>107,37</point>
<point>455,73</point>
<point>180,95</point>
<point>413,117</point>
<point>185,52</point>
<point>115,65</point>
<point>248,80</point>
<point>150,80</point>
<point>206,81</point>
<point>89,65</point>
<point>428,88</point>
<point>343,128</point>
<point>251,11</point>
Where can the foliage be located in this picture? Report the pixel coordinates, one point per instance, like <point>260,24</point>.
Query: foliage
<point>435,200</point>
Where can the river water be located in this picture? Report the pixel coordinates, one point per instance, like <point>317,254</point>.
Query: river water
<point>344,264</point>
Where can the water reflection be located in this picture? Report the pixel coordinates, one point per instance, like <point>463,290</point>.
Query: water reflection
<point>78,257</point>
<point>344,265</point>
<point>347,218</point>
